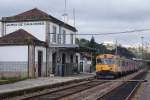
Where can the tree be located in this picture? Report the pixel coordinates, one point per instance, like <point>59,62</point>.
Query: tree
<point>82,42</point>
<point>92,43</point>
<point>122,51</point>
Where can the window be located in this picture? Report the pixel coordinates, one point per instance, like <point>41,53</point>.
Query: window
<point>71,38</point>
<point>54,33</point>
<point>64,37</point>
<point>59,38</point>
<point>104,61</point>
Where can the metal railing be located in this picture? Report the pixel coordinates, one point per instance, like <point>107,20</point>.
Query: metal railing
<point>66,69</point>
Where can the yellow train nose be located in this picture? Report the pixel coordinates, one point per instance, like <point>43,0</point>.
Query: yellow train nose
<point>106,67</point>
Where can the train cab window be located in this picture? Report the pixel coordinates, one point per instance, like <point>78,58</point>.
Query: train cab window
<point>109,61</point>
<point>105,61</point>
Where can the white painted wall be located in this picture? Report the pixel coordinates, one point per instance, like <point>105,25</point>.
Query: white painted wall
<point>86,65</point>
<point>68,58</point>
<point>14,53</point>
<point>60,30</point>
<point>37,30</point>
<point>51,31</point>
<point>68,37</point>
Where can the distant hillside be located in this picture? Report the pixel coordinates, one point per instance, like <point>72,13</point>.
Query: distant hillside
<point>122,51</point>
<point>101,49</point>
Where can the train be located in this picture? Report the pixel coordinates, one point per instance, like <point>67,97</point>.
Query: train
<point>113,66</point>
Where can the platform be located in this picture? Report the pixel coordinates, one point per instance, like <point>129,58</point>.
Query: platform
<point>146,93</point>
<point>42,81</point>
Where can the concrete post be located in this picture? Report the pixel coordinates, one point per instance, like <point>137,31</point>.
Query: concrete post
<point>49,61</point>
<point>31,61</point>
<point>2,29</point>
<point>47,32</point>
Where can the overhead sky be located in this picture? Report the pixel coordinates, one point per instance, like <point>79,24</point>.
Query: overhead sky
<point>94,16</point>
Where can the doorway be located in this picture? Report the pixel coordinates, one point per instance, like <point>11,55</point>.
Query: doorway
<point>63,63</point>
<point>53,62</point>
<point>40,60</point>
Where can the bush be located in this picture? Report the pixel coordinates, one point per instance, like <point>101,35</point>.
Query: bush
<point>6,80</point>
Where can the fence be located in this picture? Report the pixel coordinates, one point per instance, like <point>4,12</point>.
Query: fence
<point>66,69</point>
<point>13,69</point>
<point>18,69</point>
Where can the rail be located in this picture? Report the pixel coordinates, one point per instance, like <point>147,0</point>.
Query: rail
<point>77,88</point>
<point>126,90</point>
<point>60,93</point>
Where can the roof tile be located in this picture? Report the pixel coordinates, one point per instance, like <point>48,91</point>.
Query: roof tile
<point>36,15</point>
<point>19,37</point>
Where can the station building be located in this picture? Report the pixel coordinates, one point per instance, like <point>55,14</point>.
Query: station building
<point>36,44</point>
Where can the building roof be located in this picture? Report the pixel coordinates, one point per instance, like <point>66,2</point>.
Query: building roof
<point>36,15</point>
<point>20,37</point>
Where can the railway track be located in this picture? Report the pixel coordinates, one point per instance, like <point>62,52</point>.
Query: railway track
<point>125,91</point>
<point>93,89</point>
<point>60,93</point>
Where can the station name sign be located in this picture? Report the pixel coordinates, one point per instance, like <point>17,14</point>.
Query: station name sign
<point>25,24</point>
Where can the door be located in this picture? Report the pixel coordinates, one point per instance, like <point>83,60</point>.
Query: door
<point>63,63</point>
<point>63,58</point>
<point>76,69</point>
<point>40,60</point>
<point>53,63</point>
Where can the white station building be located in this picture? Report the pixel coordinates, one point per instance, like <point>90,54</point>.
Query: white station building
<point>35,44</point>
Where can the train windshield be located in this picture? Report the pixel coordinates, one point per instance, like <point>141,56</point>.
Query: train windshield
<point>104,61</point>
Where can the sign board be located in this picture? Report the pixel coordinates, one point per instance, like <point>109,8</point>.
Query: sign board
<point>25,24</point>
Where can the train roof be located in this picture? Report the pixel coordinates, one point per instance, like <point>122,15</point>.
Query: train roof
<point>105,56</point>
<point>112,56</point>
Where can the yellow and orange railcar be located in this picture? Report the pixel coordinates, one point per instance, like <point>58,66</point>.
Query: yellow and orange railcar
<point>114,66</point>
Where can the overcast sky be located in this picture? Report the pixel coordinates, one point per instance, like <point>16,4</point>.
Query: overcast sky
<point>94,16</point>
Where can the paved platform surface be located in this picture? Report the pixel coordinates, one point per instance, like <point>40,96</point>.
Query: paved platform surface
<point>42,81</point>
<point>146,92</point>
